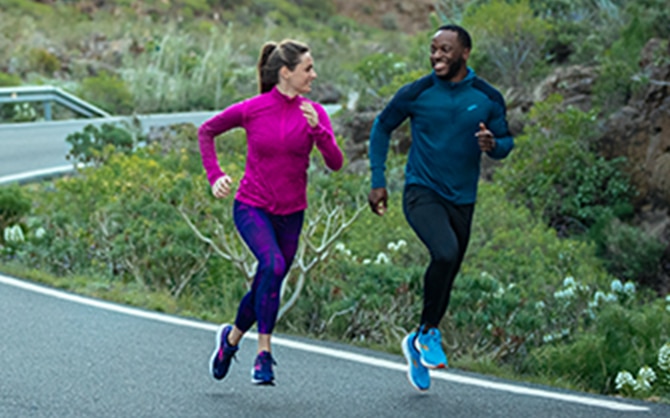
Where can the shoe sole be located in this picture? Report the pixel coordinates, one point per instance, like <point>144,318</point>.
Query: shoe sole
<point>408,357</point>
<point>219,334</point>
<point>429,366</point>
<point>259,382</point>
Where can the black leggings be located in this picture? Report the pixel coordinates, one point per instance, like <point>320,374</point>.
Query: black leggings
<point>445,230</point>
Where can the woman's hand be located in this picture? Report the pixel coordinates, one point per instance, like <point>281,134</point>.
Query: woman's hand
<point>222,187</point>
<point>309,113</point>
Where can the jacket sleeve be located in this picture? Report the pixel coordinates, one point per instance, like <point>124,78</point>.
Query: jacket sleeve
<point>380,135</point>
<point>231,117</point>
<point>497,124</point>
<point>324,138</point>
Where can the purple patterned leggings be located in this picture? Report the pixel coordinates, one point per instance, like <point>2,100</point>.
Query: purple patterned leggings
<point>274,240</point>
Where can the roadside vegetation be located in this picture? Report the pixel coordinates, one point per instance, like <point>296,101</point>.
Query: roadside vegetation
<point>557,286</point>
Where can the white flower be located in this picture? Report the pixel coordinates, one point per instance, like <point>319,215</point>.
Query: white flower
<point>14,234</point>
<point>367,261</point>
<point>569,281</point>
<point>40,233</point>
<point>565,294</point>
<point>629,288</point>
<point>382,258</point>
<point>548,338</point>
<point>664,358</point>
<point>598,296</point>
<point>395,246</point>
<point>340,247</point>
<point>616,285</point>
<point>624,379</point>
<point>647,374</point>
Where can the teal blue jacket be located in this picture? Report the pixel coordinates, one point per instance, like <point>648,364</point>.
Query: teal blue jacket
<point>444,118</point>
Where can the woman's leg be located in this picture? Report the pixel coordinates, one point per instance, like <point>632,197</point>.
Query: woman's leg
<point>273,240</point>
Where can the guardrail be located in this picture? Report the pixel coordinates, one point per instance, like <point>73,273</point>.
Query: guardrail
<point>48,95</point>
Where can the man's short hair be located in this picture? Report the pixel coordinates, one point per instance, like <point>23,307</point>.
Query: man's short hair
<point>463,35</point>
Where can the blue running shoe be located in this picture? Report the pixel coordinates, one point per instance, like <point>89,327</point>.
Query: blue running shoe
<point>262,373</point>
<point>223,353</point>
<point>429,346</point>
<point>416,373</point>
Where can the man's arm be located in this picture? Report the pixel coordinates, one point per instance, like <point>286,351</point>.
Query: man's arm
<point>497,124</point>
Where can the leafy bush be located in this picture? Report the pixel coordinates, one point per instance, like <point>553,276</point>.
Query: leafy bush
<point>650,380</point>
<point>623,338</point>
<point>44,61</point>
<point>108,92</point>
<point>555,172</point>
<point>95,144</point>
<point>630,253</point>
<point>508,37</point>
<point>9,80</point>
<point>14,206</point>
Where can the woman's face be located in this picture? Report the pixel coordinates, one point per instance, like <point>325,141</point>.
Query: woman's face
<point>300,79</point>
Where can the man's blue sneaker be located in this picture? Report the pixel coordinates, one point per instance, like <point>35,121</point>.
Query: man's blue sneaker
<point>416,373</point>
<point>429,346</point>
<point>262,373</point>
<point>223,353</point>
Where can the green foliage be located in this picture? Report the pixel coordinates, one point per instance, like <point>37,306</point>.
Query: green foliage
<point>9,80</point>
<point>622,339</point>
<point>176,73</point>
<point>29,7</point>
<point>44,61</point>
<point>615,84</point>
<point>631,254</point>
<point>96,144</point>
<point>108,92</point>
<point>554,171</point>
<point>508,40</point>
<point>14,206</point>
<point>650,381</point>
<point>377,72</point>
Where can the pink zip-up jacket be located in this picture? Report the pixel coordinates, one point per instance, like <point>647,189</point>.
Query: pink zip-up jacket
<point>279,142</point>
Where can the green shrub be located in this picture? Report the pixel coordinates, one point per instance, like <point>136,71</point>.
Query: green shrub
<point>44,61</point>
<point>630,253</point>
<point>554,171</point>
<point>9,80</point>
<point>108,92</point>
<point>95,144</point>
<point>622,339</point>
<point>14,206</point>
<point>615,83</point>
<point>507,36</point>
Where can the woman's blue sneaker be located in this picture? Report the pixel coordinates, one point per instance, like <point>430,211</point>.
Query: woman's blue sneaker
<point>262,373</point>
<point>417,374</point>
<point>223,353</point>
<point>429,346</point>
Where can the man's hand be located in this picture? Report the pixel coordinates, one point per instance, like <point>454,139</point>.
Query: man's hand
<point>485,138</point>
<point>378,200</point>
<point>222,187</point>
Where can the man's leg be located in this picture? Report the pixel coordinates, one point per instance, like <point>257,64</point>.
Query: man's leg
<point>440,225</point>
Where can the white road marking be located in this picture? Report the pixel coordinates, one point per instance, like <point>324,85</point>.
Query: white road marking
<point>330,352</point>
<point>29,175</point>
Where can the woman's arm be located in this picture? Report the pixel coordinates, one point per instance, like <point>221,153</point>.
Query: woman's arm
<point>231,117</point>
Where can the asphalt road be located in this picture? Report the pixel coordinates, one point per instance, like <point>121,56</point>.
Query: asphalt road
<point>30,149</point>
<point>66,356</point>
